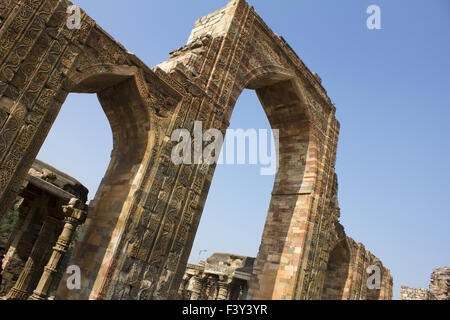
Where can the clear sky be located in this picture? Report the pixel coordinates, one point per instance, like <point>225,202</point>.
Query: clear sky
<point>391,88</point>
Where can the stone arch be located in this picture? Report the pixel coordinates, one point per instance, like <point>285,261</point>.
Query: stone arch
<point>129,119</point>
<point>146,211</point>
<point>130,106</point>
<point>96,78</point>
<point>285,107</point>
<point>281,100</point>
<point>53,63</point>
<point>337,274</point>
<point>265,75</point>
<point>231,50</point>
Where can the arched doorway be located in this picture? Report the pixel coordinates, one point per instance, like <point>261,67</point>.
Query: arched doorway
<point>285,110</point>
<point>118,93</point>
<point>337,272</point>
<point>237,204</point>
<point>72,152</point>
<point>90,147</point>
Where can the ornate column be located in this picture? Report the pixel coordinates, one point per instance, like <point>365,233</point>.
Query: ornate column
<point>74,216</point>
<point>22,285</point>
<point>224,288</point>
<point>211,288</point>
<point>182,290</point>
<point>196,288</point>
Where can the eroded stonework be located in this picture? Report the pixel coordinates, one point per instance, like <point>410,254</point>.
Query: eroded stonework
<point>228,277</point>
<point>145,215</point>
<point>439,288</point>
<point>409,293</point>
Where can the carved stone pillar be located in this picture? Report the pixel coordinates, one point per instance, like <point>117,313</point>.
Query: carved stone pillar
<point>196,287</point>
<point>211,288</point>
<point>74,216</point>
<point>21,288</point>
<point>224,288</point>
<point>182,292</point>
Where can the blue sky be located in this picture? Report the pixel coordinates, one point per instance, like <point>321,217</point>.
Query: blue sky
<point>392,93</point>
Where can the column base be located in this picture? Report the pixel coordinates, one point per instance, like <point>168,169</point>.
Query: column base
<point>16,294</point>
<point>37,296</point>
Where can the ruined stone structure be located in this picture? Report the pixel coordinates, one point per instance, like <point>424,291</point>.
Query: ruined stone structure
<point>408,293</point>
<point>145,215</point>
<point>439,288</point>
<point>233,274</point>
<point>223,277</point>
<point>45,193</point>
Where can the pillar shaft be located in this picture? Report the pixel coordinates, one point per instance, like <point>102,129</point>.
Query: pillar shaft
<point>182,289</point>
<point>207,287</point>
<point>23,283</point>
<point>224,290</point>
<point>73,218</point>
<point>197,287</point>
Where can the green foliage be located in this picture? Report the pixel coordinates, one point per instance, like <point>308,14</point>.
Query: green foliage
<point>8,225</point>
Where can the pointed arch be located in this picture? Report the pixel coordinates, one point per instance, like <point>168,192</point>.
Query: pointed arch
<point>337,273</point>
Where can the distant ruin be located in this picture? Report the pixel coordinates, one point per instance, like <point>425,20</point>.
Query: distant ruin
<point>222,277</point>
<point>439,288</point>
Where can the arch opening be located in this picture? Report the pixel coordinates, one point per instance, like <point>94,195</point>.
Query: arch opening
<point>285,111</point>
<point>337,272</point>
<point>234,213</point>
<point>129,120</point>
<point>80,141</point>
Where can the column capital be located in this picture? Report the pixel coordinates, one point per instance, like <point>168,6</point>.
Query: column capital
<point>225,280</point>
<point>224,287</point>
<point>74,211</point>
